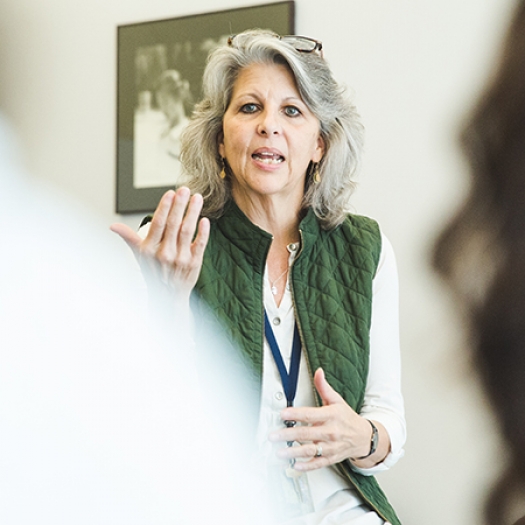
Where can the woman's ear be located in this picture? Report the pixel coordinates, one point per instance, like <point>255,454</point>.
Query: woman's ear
<point>220,144</point>
<point>319,150</point>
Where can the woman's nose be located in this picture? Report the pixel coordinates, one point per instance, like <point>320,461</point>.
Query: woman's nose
<point>269,124</point>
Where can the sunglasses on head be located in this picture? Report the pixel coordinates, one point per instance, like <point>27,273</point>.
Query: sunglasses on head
<point>303,44</point>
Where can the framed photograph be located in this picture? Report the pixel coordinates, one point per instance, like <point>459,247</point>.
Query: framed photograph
<point>160,66</point>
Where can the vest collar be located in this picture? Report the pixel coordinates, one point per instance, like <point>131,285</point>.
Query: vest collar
<point>255,241</point>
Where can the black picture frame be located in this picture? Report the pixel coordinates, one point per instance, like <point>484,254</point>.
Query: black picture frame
<point>148,51</point>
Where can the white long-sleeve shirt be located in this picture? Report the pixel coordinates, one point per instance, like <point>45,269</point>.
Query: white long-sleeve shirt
<point>383,400</point>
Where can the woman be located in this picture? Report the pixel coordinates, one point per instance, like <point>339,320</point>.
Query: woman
<point>481,254</point>
<point>306,290</point>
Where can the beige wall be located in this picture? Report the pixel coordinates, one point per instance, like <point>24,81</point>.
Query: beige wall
<point>415,67</point>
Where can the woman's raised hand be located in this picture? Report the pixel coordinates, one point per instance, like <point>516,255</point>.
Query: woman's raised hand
<point>170,256</point>
<point>329,434</point>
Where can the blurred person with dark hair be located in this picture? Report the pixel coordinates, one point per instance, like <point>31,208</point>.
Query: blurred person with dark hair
<point>481,254</point>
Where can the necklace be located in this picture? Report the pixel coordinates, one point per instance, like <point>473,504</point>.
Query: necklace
<point>273,287</point>
<point>292,248</point>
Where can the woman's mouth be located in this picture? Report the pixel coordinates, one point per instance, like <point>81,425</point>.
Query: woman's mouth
<point>267,157</point>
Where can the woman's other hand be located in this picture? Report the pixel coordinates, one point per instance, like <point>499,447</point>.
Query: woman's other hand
<point>334,429</point>
<point>170,256</point>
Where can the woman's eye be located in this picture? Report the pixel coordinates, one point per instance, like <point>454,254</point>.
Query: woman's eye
<point>249,108</point>
<point>292,111</point>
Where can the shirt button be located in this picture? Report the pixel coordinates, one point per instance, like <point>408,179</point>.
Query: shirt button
<point>279,396</point>
<point>276,321</point>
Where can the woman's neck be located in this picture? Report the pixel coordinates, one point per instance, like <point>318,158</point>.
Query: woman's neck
<point>279,217</point>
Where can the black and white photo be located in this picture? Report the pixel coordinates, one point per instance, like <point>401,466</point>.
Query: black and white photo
<point>160,66</point>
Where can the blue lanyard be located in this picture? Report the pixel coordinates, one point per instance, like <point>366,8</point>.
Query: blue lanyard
<point>288,379</point>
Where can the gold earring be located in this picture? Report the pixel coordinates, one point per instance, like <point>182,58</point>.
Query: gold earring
<point>317,175</point>
<point>222,174</point>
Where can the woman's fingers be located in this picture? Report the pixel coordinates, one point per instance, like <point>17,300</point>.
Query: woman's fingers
<point>175,218</point>
<point>335,427</point>
<point>328,395</point>
<point>180,227</point>
<point>174,246</point>
<point>315,415</point>
<point>305,451</point>
<point>158,222</point>
<point>129,235</point>
<point>203,234</point>
<point>189,224</point>
<point>307,456</point>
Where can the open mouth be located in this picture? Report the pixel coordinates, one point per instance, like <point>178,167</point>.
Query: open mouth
<point>268,158</point>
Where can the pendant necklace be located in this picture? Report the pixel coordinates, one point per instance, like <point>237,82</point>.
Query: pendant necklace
<point>292,248</point>
<point>273,287</point>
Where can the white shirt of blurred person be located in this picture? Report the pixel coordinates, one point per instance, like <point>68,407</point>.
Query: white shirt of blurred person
<point>102,418</point>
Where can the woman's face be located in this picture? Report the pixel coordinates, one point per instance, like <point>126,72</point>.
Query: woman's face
<point>269,135</point>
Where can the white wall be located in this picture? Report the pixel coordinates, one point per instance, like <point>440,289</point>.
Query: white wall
<point>415,67</point>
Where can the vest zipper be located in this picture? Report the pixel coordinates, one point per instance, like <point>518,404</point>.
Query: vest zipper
<point>316,395</point>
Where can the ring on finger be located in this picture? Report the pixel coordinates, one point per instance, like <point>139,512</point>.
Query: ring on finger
<point>318,450</point>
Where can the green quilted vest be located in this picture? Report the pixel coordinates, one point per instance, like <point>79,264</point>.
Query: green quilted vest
<point>331,281</point>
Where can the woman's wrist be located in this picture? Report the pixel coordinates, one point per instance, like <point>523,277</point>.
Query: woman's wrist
<point>374,440</point>
<point>377,446</point>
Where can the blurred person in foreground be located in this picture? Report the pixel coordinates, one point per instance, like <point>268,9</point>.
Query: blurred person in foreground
<point>481,255</point>
<point>104,418</point>
<point>308,291</point>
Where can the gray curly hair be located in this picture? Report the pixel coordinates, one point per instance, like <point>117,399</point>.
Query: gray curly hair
<point>340,127</point>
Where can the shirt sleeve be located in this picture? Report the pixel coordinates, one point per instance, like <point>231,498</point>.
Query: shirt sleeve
<point>383,398</point>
